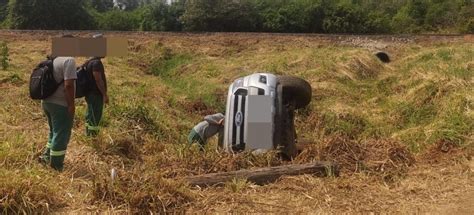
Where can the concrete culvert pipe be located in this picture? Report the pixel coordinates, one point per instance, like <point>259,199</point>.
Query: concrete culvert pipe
<point>382,56</point>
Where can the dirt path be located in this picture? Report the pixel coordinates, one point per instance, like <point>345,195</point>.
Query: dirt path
<point>463,205</point>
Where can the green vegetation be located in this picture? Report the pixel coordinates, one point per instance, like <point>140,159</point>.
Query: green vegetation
<point>48,14</point>
<point>4,55</point>
<point>311,16</point>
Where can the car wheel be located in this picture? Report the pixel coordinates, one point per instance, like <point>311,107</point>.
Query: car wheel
<point>295,91</point>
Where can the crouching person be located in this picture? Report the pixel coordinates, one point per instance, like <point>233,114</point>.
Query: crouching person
<point>59,108</point>
<point>211,125</point>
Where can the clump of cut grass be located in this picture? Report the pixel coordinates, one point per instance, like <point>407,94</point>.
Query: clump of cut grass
<point>447,152</point>
<point>387,86</point>
<point>142,191</point>
<point>365,70</point>
<point>236,185</point>
<point>359,66</point>
<point>139,117</point>
<point>189,160</point>
<point>123,145</point>
<point>29,192</point>
<point>11,157</point>
<point>385,157</point>
<point>12,79</point>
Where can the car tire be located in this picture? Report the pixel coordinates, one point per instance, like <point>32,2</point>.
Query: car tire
<point>296,91</point>
<point>288,134</point>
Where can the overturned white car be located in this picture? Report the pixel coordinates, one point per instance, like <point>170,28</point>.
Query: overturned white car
<point>260,113</point>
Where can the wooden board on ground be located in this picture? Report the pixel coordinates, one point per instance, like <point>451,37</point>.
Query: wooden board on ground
<point>266,175</point>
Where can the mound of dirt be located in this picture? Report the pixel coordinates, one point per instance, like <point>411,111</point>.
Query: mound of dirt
<point>445,152</point>
<point>198,107</point>
<point>375,156</point>
<point>127,147</point>
<point>364,68</point>
<point>360,68</point>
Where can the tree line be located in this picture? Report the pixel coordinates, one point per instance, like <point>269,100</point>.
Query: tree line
<point>295,16</point>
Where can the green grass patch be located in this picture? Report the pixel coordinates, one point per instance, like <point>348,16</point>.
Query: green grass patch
<point>350,125</point>
<point>454,128</point>
<point>454,125</point>
<point>408,114</point>
<point>386,86</point>
<point>167,64</point>
<point>414,138</point>
<point>460,72</point>
<point>445,54</point>
<point>183,82</point>
<point>427,57</point>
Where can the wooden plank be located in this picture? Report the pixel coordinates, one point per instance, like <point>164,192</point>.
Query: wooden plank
<point>265,175</point>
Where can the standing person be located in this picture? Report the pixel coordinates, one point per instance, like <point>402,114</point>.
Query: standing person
<point>211,125</point>
<point>59,109</point>
<point>96,95</point>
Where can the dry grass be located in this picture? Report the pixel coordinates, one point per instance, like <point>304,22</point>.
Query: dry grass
<point>29,192</point>
<point>402,132</point>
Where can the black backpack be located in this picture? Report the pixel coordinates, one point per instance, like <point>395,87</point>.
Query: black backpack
<point>82,82</point>
<point>42,82</point>
<point>85,79</point>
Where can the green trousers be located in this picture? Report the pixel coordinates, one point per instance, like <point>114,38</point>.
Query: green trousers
<point>95,106</point>
<point>194,137</point>
<point>60,126</point>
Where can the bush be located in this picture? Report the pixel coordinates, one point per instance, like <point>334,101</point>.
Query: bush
<point>49,14</point>
<point>162,17</point>
<point>402,22</point>
<point>219,15</point>
<point>118,20</point>
<point>317,16</point>
<point>378,22</point>
<point>102,5</point>
<point>469,27</point>
<point>345,18</point>
<point>292,17</point>
<point>3,10</point>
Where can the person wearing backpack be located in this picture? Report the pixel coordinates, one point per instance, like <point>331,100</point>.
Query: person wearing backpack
<point>96,94</point>
<point>59,108</point>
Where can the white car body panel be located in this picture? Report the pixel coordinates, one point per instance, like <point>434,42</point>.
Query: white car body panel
<point>236,117</point>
